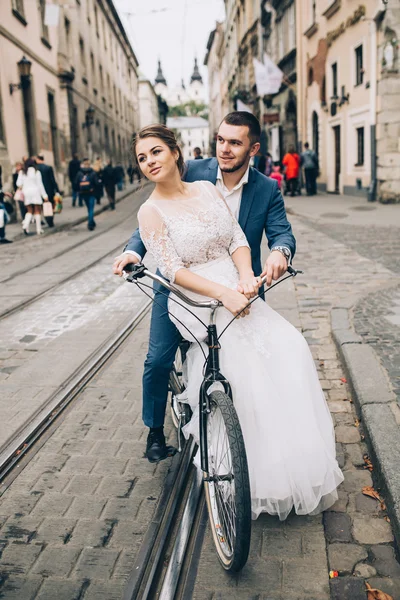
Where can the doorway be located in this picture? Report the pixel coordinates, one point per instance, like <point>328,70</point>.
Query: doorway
<point>336,132</point>
<point>53,128</point>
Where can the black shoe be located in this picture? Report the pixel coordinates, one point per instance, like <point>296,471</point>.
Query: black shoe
<point>156,448</point>
<point>5,241</point>
<point>91,227</point>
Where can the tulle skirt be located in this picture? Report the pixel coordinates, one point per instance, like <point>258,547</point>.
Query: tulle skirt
<point>286,423</point>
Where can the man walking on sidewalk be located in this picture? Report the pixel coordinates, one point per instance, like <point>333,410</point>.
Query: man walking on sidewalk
<point>49,183</point>
<point>86,182</point>
<point>73,170</point>
<point>109,181</point>
<point>309,162</point>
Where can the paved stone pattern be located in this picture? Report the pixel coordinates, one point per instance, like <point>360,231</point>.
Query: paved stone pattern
<point>72,522</point>
<point>291,560</point>
<point>377,317</point>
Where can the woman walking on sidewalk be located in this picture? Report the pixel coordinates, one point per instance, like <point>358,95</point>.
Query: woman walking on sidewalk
<point>30,183</point>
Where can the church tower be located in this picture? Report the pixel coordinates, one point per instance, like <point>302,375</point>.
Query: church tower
<point>160,83</point>
<point>196,88</point>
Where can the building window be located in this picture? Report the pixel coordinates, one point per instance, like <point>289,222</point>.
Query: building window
<point>313,11</point>
<point>323,91</point>
<point>310,76</point>
<point>101,77</point>
<point>104,35</point>
<point>2,132</point>
<point>96,20</point>
<point>18,10</point>
<point>45,29</point>
<point>334,80</point>
<point>360,146</point>
<point>359,65</point>
<point>82,52</point>
<point>92,66</point>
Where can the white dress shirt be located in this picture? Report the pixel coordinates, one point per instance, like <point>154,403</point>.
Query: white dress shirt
<point>232,197</point>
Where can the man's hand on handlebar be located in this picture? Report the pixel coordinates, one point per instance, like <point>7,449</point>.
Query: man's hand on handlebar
<point>122,260</point>
<point>275,266</point>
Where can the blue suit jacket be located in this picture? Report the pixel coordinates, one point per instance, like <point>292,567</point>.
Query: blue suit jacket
<point>261,209</point>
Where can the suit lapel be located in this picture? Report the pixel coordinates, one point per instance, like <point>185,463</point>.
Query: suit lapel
<point>247,200</point>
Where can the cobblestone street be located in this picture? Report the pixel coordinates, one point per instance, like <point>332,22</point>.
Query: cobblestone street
<point>72,522</point>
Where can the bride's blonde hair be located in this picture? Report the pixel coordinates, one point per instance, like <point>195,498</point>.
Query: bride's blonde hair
<point>164,134</point>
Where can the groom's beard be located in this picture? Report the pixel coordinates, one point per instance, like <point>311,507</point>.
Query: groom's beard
<point>236,167</point>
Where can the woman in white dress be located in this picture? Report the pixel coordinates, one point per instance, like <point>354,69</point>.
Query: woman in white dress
<point>30,182</point>
<point>199,246</point>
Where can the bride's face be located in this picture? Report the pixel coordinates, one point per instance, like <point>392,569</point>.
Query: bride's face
<point>156,160</point>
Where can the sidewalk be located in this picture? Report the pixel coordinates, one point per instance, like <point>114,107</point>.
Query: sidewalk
<point>366,327</point>
<point>69,216</point>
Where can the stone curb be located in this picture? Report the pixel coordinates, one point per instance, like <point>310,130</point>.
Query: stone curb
<point>374,400</point>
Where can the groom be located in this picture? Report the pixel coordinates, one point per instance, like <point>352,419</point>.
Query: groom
<point>258,205</point>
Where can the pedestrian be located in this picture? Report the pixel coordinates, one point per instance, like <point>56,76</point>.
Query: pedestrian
<point>269,165</point>
<point>197,153</point>
<point>277,175</point>
<point>262,163</point>
<point>31,184</point>
<point>50,184</point>
<point>130,171</point>
<point>4,215</point>
<point>86,181</point>
<point>73,170</point>
<point>98,169</point>
<point>119,175</point>
<point>309,162</point>
<point>291,160</point>
<point>109,181</point>
<point>18,194</point>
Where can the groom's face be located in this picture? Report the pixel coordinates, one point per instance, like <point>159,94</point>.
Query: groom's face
<point>234,148</point>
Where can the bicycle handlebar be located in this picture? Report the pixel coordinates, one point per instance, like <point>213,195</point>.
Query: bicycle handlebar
<point>132,272</point>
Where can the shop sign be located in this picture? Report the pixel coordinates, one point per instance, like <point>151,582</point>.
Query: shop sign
<point>352,20</point>
<point>270,118</point>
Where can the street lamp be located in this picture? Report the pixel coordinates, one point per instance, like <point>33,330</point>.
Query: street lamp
<point>24,71</point>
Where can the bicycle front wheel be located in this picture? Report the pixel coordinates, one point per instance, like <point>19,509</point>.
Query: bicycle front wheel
<point>228,488</point>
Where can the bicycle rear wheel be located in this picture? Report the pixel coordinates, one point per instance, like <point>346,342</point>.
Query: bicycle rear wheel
<point>228,491</point>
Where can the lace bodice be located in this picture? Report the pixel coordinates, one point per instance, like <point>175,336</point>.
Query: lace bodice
<point>185,233</point>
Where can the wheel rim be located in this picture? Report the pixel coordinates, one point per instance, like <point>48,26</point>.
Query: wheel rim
<point>222,490</point>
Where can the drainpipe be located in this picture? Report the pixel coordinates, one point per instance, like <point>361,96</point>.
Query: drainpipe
<point>373,96</point>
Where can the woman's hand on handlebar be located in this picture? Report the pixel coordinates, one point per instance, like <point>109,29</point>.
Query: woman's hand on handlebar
<point>234,301</point>
<point>122,260</point>
<point>249,286</point>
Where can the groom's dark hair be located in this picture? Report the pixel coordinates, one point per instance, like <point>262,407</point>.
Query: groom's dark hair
<point>242,118</point>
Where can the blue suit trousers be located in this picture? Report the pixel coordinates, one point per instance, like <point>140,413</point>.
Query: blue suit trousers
<point>163,344</point>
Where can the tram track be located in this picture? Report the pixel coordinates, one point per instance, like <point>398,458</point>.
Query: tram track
<point>29,438</point>
<point>21,305</point>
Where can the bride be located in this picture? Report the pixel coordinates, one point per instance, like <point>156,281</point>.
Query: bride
<point>199,246</point>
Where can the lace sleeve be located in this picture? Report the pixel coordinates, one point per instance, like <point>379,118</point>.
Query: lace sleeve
<point>238,238</point>
<point>155,236</point>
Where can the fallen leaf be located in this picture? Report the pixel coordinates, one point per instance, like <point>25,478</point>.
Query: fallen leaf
<point>374,594</point>
<point>387,519</point>
<point>356,423</point>
<point>351,401</point>
<point>343,379</point>
<point>333,574</point>
<point>369,491</point>
<point>368,463</point>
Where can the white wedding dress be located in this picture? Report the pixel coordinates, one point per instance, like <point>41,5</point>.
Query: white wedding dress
<point>286,424</point>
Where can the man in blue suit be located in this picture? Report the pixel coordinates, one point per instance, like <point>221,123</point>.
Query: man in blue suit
<point>258,205</point>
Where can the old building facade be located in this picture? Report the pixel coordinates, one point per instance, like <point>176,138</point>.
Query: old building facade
<point>82,91</point>
<point>98,73</point>
<point>217,82</point>
<point>340,67</point>
<point>30,120</point>
<point>148,103</point>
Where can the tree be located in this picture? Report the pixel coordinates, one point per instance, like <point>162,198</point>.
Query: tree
<point>189,109</point>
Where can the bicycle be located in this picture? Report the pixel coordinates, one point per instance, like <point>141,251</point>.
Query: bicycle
<point>222,449</point>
